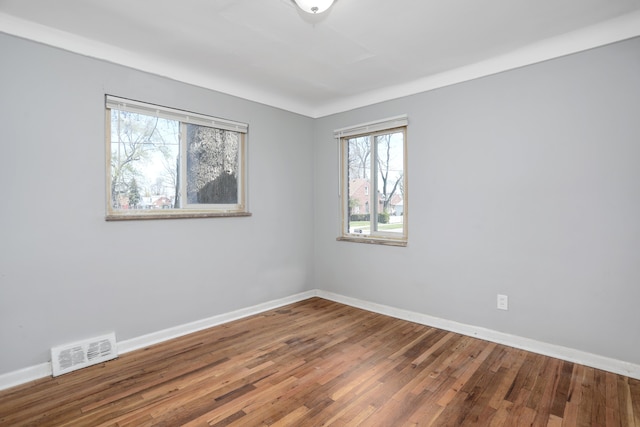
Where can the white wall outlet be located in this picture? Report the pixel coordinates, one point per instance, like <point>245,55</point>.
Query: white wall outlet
<point>503,302</point>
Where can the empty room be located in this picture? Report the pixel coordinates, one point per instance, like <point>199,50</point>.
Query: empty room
<point>317,212</point>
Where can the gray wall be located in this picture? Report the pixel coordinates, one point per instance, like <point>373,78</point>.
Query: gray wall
<point>525,183</point>
<point>66,274</point>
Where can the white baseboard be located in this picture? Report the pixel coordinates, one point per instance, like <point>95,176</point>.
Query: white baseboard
<point>21,376</point>
<point>35,372</point>
<point>178,331</point>
<point>571,355</point>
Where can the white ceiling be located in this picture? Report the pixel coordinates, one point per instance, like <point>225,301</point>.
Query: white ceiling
<point>359,52</point>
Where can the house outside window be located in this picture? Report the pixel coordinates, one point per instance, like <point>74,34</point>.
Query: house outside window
<point>168,163</point>
<point>374,182</point>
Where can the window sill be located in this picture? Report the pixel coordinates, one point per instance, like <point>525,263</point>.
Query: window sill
<point>373,241</point>
<point>176,215</point>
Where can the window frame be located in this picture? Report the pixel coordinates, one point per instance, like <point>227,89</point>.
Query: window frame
<point>371,130</point>
<point>187,210</point>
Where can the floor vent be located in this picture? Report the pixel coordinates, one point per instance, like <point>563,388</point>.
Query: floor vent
<point>70,357</point>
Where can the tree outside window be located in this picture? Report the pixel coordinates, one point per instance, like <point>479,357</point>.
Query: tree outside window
<point>374,184</point>
<point>166,163</point>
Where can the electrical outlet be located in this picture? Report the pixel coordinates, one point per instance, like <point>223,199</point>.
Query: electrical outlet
<point>503,302</point>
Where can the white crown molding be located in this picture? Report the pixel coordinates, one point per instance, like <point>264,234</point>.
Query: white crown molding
<point>611,31</point>
<point>94,49</point>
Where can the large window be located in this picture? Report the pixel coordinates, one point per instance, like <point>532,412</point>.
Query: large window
<point>374,182</point>
<point>168,163</point>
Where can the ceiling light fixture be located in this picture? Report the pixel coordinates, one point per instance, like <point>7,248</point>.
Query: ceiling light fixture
<point>314,6</point>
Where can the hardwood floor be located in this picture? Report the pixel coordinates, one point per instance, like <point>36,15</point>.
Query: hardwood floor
<point>320,363</point>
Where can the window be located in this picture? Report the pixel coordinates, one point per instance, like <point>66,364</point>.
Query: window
<point>168,163</point>
<point>374,182</point>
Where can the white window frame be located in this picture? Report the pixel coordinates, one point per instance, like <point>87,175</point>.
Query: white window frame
<point>371,129</point>
<point>186,210</point>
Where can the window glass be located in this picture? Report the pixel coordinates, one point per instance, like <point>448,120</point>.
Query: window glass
<point>390,179</point>
<point>374,189</point>
<point>212,165</point>
<point>161,164</point>
<point>144,153</point>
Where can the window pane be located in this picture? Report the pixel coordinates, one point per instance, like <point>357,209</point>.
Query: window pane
<point>390,174</point>
<point>168,163</point>
<point>212,165</point>
<point>144,154</point>
<point>360,186</point>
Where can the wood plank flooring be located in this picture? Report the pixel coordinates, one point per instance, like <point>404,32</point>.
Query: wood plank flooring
<point>320,363</point>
